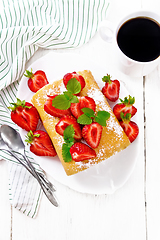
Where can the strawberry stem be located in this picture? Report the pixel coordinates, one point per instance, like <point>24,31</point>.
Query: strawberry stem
<point>128,101</point>
<point>29,74</point>
<point>30,137</point>
<point>107,79</point>
<point>125,117</point>
<point>19,103</point>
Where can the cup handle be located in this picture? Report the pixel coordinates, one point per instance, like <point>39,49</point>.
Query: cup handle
<point>106,31</point>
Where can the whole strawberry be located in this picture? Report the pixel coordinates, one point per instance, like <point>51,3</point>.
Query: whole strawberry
<point>25,115</point>
<point>111,89</point>
<point>126,106</point>
<point>40,143</point>
<point>36,80</point>
<point>130,128</point>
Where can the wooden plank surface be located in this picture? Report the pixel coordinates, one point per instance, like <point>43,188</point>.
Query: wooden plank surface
<point>152,90</point>
<point>5,207</point>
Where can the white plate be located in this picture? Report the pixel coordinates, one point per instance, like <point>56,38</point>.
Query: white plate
<point>107,176</point>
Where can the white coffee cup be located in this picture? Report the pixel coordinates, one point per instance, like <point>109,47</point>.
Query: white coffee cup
<point>131,67</point>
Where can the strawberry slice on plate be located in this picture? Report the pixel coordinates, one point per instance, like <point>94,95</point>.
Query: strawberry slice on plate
<point>126,106</point>
<point>111,88</point>
<point>80,151</point>
<point>36,80</point>
<point>50,109</point>
<point>40,143</point>
<point>84,102</point>
<point>64,122</point>
<point>25,115</point>
<point>80,78</point>
<point>130,128</point>
<point>92,134</point>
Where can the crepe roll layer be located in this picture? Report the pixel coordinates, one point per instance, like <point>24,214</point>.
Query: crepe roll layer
<point>113,138</point>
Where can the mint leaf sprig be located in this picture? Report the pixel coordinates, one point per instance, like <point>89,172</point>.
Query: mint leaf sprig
<point>63,101</point>
<point>89,115</point>
<point>68,136</point>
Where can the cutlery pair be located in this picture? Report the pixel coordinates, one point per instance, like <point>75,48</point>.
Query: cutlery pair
<point>10,138</point>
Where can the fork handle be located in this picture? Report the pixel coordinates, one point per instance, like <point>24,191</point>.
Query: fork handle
<point>46,191</point>
<point>44,181</point>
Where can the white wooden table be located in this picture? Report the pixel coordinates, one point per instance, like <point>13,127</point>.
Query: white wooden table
<point>133,211</point>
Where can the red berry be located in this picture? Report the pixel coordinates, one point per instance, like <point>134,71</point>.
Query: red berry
<point>126,106</point>
<point>54,111</point>
<point>41,144</point>
<point>36,80</point>
<point>25,115</point>
<point>84,102</point>
<point>64,122</point>
<point>92,134</point>
<point>80,78</point>
<point>80,151</point>
<point>130,128</point>
<point>111,89</point>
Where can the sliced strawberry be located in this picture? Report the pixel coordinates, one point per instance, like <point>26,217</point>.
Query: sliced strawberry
<point>80,151</point>
<point>36,80</point>
<point>54,111</point>
<point>41,144</point>
<point>92,134</point>
<point>111,88</point>
<point>84,102</point>
<point>25,115</point>
<point>80,78</point>
<point>64,122</point>
<point>130,128</point>
<point>126,106</point>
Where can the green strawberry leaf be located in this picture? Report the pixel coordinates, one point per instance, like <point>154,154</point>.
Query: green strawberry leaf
<point>18,104</point>
<point>102,117</point>
<point>107,79</point>
<point>128,101</point>
<point>125,117</point>
<point>29,74</point>
<point>73,86</point>
<point>61,102</point>
<point>30,137</point>
<point>84,119</point>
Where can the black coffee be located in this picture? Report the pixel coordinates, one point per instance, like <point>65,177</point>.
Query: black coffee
<point>139,39</point>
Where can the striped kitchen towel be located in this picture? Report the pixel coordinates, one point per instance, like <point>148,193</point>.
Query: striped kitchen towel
<point>26,26</point>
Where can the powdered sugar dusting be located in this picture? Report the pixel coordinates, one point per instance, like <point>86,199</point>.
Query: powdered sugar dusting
<point>81,164</point>
<point>101,153</point>
<point>115,126</point>
<point>55,90</point>
<point>98,98</point>
<point>112,136</point>
<point>49,92</point>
